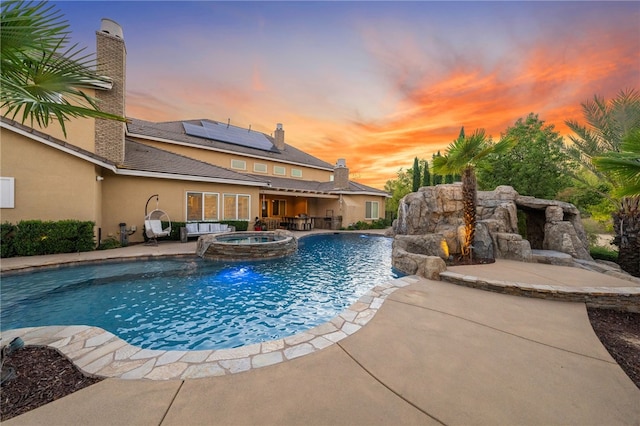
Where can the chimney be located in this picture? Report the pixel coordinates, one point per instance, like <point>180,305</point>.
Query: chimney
<point>341,175</point>
<point>111,62</point>
<point>278,135</point>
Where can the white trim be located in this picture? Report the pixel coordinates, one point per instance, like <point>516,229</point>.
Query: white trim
<point>375,194</point>
<point>202,205</point>
<point>284,170</point>
<point>7,192</point>
<point>377,203</point>
<point>266,168</point>
<point>244,164</point>
<point>226,151</point>
<point>159,175</point>
<point>236,195</point>
<point>303,193</point>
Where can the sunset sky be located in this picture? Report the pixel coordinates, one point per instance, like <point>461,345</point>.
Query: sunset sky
<point>376,83</point>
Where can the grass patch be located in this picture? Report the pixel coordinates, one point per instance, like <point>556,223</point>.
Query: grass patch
<point>592,226</point>
<point>603,253</point>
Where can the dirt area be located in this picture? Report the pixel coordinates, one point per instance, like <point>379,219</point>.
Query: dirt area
<point>44,375</point>
<point>604,240</point>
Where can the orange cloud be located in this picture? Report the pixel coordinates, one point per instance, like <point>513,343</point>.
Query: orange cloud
<point>424,94</point>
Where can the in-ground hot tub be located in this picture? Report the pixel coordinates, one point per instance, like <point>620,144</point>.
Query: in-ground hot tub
<point>247,245</point>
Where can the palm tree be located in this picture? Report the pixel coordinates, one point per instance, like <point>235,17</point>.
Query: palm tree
<point>607,125</point>
<point>40,77</point>
<point>624,166</point>
<point>461,157</point>
<point>607,147</point>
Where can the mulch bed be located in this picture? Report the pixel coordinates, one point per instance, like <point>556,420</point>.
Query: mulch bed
<point>619,332</point>
<point>460,261</point>
<point>44,375</point>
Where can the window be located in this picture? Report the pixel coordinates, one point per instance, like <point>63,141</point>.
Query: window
<point>239,164</point>
<point>7,192</point>
<point>279,208</point>
<point>259,168</point>
<point>296,173</point>
<point>202,206</point>
<point>371,210</point>
<point>279,170</point>
<point>236,207</point>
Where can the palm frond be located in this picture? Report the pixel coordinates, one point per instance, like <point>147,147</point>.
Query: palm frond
<point>41,79</point>
<point>624,166</point>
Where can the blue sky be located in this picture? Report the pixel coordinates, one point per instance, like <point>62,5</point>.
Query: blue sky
<point>376,83</point>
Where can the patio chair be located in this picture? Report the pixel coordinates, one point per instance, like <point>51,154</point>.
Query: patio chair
<point>153,226</point>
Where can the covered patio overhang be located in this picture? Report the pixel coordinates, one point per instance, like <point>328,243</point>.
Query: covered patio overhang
<point>298,193</point>
<point>297,208</point>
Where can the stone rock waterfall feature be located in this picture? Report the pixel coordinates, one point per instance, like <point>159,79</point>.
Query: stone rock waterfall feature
<point>429,226</point>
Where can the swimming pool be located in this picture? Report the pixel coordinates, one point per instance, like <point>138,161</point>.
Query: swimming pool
<point>194,304</point>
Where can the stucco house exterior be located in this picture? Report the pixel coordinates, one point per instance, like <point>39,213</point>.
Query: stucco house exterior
<point>202,170</point>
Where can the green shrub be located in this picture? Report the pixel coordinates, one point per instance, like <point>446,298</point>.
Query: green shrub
<point>35,237</point>
<point>240,225</point>
<point>381,223</point>
<point>109,243</point>
<point>603,253</point>
<point>522,223</point>
<point>7,234</point>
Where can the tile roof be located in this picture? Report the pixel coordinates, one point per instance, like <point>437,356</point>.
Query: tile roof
<point>323,187</point>
<point>144,158</point>
<point>174,131</point>
<point>139,156</point>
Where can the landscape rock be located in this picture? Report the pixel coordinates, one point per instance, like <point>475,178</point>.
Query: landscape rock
<point>434,213</point>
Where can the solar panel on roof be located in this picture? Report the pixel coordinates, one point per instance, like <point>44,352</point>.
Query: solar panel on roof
<point>230,134</point>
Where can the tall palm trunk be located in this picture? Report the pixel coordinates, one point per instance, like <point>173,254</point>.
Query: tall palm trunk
<point>626,224</point>
<point>469,192</point>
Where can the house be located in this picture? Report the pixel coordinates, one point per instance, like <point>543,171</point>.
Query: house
<point>202,170</point>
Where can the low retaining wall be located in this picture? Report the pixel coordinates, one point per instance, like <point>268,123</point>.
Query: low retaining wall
<point>213,247</point>
<point>618,298</point>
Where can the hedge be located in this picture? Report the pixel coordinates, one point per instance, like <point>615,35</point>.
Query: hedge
<point>35,237</point>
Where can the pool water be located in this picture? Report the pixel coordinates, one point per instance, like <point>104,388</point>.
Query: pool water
<point>246,240</point>
<point>194,304</point>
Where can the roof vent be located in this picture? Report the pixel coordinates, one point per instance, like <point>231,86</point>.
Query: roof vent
<point>111,27</point>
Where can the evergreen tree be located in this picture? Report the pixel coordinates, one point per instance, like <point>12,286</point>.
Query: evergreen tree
<point>416,175</point>
<point>426,175</point>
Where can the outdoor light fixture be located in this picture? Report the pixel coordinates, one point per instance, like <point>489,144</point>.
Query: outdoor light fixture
<point>99,178</point>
